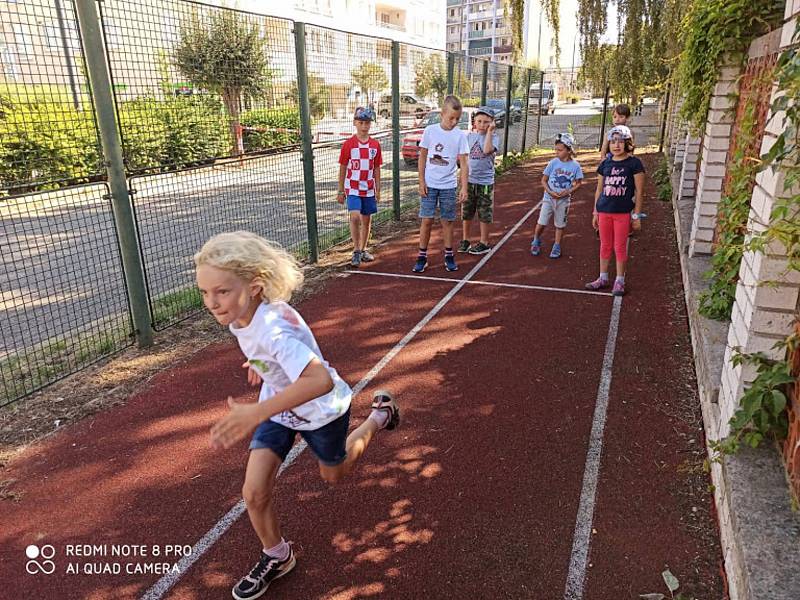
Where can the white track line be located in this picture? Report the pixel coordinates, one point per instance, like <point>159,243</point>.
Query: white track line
<point>163,585</point>
<point>581,539</point>
<point>494,283</point>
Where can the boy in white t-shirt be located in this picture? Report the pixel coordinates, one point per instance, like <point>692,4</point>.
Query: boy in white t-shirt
<point>245,283</point>
<point>442,149</point>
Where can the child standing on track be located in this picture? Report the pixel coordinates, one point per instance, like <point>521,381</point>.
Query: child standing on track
<point>562,176</point>
<point>360,182</point>
<point>620,187</point>
<point>482,142</point>
<point>442,149</point>
<point>245,283</point>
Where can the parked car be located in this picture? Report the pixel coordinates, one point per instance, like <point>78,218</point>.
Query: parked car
<point>409,149</point>
<point>517,107</point>
<point>499,108</point>
<point>410,106</point>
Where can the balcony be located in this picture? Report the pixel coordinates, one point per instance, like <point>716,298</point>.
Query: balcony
<point>503,49</point>
<point>480,34</point>
<point>453,2</point>
<point>481,14</point>
<point>390,18</point>
<point>479,51</point>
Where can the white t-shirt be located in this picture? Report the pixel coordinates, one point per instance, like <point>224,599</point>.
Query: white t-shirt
<point>443,150</point>
<point>279,345</point>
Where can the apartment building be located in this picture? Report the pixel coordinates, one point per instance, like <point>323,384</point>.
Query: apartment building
<point>482,29</point>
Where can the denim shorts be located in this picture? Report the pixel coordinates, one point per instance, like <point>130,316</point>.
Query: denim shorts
<point>327,442</point>
<point>366,205</point>
<point>445,199</point>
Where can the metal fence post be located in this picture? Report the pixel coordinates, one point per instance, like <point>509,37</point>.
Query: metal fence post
<point>451,63</point>
<point>539,112</point>
<point>605,113</point>
<point>396,127</point>
<point>664,119</point>
<point>103,100</point>
<point>527,104</point>
<point>509,120</point>
<point>305,132</point>
<point>484,81</point>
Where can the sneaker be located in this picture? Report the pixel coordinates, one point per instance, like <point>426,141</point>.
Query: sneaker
<point>356,261</point>
<point>366,256</point>
<point>556,251</point>
<point>536,247</point>
<point>463,246</point>
<point>420,265</point>
<point>480,248</point>
<point>597,284</point>
<point>619,288</point>
<point>383,400</point>
<point>267,569</point>
<point>450,262</point>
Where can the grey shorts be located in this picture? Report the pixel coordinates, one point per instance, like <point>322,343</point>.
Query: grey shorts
<point>558,210</point>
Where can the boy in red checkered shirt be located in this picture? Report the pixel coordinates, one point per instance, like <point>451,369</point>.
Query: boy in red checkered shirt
<point>360,182</point>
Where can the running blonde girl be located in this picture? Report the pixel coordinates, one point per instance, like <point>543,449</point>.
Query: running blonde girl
<point>245,283</point>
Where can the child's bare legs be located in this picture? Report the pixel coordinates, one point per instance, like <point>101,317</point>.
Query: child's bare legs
<point>425,232</point>
<point>559,235</point>
<point>485,232</point>
<point>447,230</point>
<point>356,230</point>
<point>356,444</point>
<point>258,492</point>
<point>366,229</point>
<point>466,225</point>
<point>537,232</point>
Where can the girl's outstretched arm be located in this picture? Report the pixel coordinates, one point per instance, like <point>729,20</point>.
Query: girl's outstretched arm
<point>638,181</point>
<point>244,417</point>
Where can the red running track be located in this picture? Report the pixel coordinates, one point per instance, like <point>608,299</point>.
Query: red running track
<point>475,496</point>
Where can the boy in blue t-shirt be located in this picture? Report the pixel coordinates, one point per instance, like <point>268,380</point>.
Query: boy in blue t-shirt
<point>483,143</point>
<point>562,176</point>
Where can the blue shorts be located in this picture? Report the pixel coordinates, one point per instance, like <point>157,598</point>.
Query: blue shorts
<point>366,205</point>
<point>327,442</point>
<point>446,199</point>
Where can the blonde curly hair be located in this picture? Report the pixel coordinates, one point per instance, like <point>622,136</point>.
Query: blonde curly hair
<point>253,259</point>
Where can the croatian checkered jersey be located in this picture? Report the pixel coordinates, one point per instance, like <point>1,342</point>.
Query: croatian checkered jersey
<point>361,160</point>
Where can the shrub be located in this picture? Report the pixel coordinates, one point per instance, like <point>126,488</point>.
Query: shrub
<point>45,142</point>
<point>269,120</point>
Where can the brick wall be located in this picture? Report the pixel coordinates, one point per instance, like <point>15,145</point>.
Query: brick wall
<point>791,447</point>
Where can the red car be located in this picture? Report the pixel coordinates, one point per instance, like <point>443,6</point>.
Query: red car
<point>410,146</point>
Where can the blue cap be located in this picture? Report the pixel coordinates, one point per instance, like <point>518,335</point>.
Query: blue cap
<point>364,114</point>
<point>566,139</point>
<point>484,110</point>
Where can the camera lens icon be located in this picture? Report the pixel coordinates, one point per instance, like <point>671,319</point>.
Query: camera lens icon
<point>45,566</point>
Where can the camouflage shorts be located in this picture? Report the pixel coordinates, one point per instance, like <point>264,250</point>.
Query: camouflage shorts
<point>480,198</point>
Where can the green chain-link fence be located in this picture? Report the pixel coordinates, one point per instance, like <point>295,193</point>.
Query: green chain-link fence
<point>131,131</point>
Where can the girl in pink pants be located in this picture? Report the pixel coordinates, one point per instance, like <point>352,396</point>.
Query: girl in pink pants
<point>620,185</point>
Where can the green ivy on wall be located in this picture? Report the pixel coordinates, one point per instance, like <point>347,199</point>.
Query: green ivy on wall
<point>714,29</point>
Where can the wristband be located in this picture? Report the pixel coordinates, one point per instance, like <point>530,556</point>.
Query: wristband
<point>636,216</point>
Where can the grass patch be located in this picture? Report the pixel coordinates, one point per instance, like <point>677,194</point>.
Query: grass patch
<point>31,369</point>
<point>597,120</point>
<point>173,304</point>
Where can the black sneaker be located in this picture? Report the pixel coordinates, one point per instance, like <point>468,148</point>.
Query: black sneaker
<point>267,570</point>
<point>420,265</point>
<point>356,261</point>
<point>383,400</point>
<point>463,246</point>
<point>480,248</point>
<point>450,262</point>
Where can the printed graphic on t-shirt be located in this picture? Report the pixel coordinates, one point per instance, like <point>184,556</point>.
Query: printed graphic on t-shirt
<point>477,151</point>
<point>616,184</point>
<point>561,180</point>
<point>292,420</point>
<point>438,159</point>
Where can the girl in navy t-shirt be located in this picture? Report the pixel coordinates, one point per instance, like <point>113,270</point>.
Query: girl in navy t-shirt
<point>619,191</point>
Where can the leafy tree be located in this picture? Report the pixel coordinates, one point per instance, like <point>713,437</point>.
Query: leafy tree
<point>370,78</point>
<point>319,94</point>
<point>431,77</point>
<point>227,55</point>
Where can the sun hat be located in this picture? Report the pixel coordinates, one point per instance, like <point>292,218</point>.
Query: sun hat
<point>622,131</point>
<point>364,114</point>
<point>566,139</point>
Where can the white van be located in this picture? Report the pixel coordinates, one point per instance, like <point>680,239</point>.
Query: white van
<point>548,101</point>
